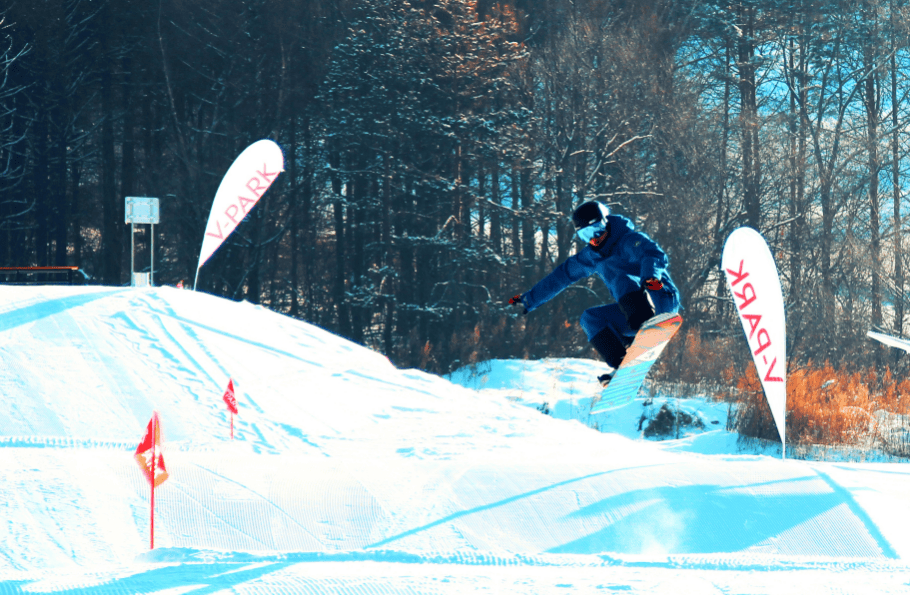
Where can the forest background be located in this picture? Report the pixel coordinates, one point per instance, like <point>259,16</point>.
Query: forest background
<point>435,149</point>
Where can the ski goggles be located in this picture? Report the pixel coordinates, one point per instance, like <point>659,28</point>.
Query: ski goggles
<point>589,232</point>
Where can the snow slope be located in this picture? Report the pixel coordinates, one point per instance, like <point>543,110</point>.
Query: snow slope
<point>347,475</point>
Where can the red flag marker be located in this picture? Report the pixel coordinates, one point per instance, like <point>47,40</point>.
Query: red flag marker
<point>231,403</point>
<point>151,461</point>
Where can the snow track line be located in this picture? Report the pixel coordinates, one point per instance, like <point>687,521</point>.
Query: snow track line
<point>730,562</point>
<point>178,485</point>
<point>217,331</point>
<point>509,500</point>
<point>188,355</point>
<point>35,311</point>
<point>293,575</point>
<point>264,498</point>
<point>860,514</point>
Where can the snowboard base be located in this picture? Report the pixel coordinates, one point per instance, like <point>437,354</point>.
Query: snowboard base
<point>641,355</point>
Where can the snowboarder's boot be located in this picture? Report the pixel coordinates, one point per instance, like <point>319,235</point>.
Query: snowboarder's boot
<point>611,350</point>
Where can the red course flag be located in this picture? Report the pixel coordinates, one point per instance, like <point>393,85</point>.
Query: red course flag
<point>229,399</point>
<point>151,461</point>
<point>149,456</point>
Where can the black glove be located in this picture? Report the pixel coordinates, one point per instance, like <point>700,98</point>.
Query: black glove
<point>637,308</point>
<point>516,301</point>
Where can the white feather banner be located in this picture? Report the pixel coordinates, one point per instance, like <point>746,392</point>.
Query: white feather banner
<point>753,280</point>
<point>243,185</point>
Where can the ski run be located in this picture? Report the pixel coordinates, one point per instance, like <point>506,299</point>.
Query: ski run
<point>346,475</point>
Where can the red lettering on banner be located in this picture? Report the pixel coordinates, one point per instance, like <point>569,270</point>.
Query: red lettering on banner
<point>255,190</point>
<point>219,235</point>
<point>762,345</point>
<point>746,300</point>
<point>754,321</point>
<point>769,377</point>
<point>244,201</point>
<point>738,274</point>
<point>265,174</point>
<point>230,214</point>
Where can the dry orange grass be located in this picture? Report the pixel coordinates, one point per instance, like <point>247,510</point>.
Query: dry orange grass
<point>693,359</point>
<point>826,406</point>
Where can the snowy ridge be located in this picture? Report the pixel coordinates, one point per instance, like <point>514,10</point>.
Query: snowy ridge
<point>61,442</point>
<point>347,475</point>
<point>702,562</point>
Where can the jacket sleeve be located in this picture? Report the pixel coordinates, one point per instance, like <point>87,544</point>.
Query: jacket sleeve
<point>653,260</point>
<point>577,266</point>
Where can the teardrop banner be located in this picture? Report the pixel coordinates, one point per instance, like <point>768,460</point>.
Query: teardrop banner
<point>755,284</point>
<point>243,185</point>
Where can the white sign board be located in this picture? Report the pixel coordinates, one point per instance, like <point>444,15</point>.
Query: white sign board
<point>141,209</point>
<point>753,280</point>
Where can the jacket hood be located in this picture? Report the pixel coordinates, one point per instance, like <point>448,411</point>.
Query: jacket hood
<point>619,227</point>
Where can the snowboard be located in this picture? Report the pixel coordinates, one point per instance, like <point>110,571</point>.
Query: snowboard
<point>647,346</point>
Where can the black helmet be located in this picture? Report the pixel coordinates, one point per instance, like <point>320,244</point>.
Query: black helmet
<point>590,213</point>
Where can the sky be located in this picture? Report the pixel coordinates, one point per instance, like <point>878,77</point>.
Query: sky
<point>348,475</point>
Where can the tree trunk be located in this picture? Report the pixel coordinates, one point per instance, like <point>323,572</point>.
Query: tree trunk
<point>896,191</point>
<point>527,224</point>
<point>76,212</point>
<point>357,228</point>
<point>41,188</point>
<point>749,120</point>
<point>387,285</point>
<point>516,218</point>
<point>565,232</point>
<point>495,212</point>
<point>721,214</point>
<point>481,205</point>
<point>112,246</point>
<point>295,185</point>
<point>128,169</point>
<point>870,101</point>
<point>308,223</point>
<point>341,305</point>
<point>58,192</point>
<point>798,130</point>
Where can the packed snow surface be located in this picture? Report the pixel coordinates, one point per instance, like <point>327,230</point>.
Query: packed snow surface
<point>347,475</point>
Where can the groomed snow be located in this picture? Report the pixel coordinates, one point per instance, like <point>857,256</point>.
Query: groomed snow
<point>349,476</point>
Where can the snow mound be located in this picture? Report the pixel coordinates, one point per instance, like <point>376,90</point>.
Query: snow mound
<point>349,475</point>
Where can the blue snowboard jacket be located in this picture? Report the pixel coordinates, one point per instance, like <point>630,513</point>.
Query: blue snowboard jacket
<point>626,259</point>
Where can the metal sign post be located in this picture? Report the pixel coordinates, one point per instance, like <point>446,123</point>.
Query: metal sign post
<point>141,209</point>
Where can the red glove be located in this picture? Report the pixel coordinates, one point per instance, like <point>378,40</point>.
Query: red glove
<point>516,301</point>
<point>653,284</point>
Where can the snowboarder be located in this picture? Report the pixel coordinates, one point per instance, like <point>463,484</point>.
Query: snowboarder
<point>633,267</point>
